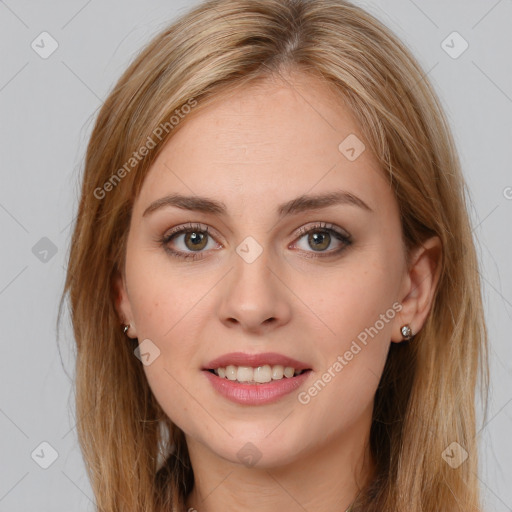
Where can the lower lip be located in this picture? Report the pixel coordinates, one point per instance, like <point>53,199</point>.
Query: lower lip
<point>256,394</point>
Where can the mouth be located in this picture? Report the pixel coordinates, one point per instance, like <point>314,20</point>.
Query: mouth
<point>263,368</point>
<point>256,385</point>
<point>264,374</point>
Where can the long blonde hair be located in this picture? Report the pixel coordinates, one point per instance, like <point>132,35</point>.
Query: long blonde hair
<point>135,457</point>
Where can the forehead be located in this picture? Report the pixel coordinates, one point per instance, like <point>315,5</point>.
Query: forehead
<point>273,141</point>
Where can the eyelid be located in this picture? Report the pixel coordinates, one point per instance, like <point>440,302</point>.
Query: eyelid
<point>191,226</point>
<point>323,225</point>
<point>299,233</point>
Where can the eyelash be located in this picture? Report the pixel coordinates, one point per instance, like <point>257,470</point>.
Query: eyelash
<point>194,228</point>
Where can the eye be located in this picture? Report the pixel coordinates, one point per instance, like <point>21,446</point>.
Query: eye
<point>320,237</point>
<point>194,238</point>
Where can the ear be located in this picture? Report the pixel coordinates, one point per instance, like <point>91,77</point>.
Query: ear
<point>122,304</point>
<point>418,287</point>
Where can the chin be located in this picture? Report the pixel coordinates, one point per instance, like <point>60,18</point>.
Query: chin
<point>258,451</point>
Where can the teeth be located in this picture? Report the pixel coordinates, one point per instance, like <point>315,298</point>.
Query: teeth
<point>259,375</point>
<point>231,372</point>
<point>277,372</point>
<point>288,372</point>
<point>244,374</point>
<point>262,374</point>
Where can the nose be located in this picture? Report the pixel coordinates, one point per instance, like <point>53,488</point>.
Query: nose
<point>254,296</point>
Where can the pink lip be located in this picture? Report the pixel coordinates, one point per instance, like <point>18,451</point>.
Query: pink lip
<point>255,360</point>
<point>255,394</point>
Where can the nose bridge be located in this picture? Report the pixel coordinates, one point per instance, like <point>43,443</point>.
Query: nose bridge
<point>252,267</point>
<point>254,295</point>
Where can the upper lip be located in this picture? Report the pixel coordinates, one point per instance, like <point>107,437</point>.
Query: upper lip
<point>255,360</point>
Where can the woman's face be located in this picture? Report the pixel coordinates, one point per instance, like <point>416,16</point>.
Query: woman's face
<point>253,169</point>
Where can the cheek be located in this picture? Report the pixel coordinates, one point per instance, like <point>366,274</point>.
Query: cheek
<point>354,356</point>
<point>173,318</point>
<point>349,300</point>
<point>162,296</point>
<point>169,311</point>
<point>355,306</point>
<point>169,316</point>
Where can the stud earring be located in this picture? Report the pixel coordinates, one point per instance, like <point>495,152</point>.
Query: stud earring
<point>406,332</point>
<point>125,328</point>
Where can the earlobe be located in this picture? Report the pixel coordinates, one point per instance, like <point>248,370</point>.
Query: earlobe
<point>122,303</point>
<point>420,286</point>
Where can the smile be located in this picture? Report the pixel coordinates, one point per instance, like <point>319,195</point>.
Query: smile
<point>255,393</point>
<point>259,375</point>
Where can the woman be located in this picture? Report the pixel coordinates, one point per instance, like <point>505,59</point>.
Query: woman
<point>273,283</point>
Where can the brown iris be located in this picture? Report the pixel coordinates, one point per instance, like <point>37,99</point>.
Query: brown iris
<point>198,240</point>
<point>319,240</point>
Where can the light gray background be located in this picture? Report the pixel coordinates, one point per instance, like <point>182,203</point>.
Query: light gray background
<point>47,108</point>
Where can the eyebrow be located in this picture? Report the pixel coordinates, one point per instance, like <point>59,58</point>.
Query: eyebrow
<point>300,204</point>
